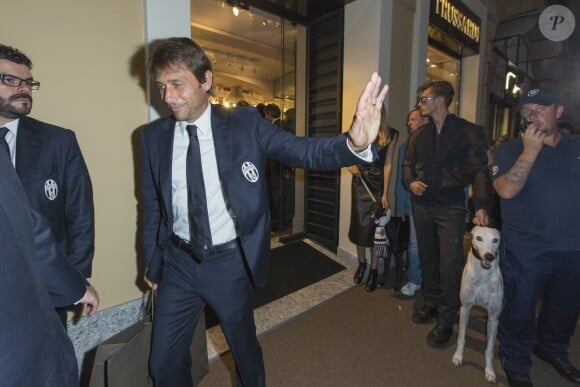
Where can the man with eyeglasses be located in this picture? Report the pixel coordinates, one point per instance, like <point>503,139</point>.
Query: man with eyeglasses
<point>537,177</point>
<point>443,157</point>
<point>49,162</point>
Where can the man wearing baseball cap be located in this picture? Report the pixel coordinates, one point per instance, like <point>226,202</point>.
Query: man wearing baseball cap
<point>540,96</point>
<point>537,177</point>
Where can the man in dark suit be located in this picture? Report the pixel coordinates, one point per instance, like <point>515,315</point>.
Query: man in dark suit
<point>207,229</point>
<point>35,277</point>
<point>49,162</point>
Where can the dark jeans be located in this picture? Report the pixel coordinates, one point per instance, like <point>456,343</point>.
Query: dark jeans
<point>440,232</point>
<point>529,276</point>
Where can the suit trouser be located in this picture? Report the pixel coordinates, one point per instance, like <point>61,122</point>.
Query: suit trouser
<point>440,232</point>
<point>553,277</point>
<point>185,287</point>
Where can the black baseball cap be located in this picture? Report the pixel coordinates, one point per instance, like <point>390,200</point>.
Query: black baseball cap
<point>541,96</point>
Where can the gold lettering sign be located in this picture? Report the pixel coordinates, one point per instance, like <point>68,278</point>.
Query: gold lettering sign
<point>457,19</point>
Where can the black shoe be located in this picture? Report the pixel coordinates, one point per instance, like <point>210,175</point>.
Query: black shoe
<point>518,380</point>
<point>425,315</point>
<point>372,281</point>
<point>562,365</point>
<point>360,272</point>
<point>439,335</point>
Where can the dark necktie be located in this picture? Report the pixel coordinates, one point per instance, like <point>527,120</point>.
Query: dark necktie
<point>3,142</point>
<point>199,231</point>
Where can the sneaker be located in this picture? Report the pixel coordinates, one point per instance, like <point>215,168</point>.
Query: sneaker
<point>409,289</point>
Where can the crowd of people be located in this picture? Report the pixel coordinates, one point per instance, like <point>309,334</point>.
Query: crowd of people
<point>206,232</point>
<point>446,171</point>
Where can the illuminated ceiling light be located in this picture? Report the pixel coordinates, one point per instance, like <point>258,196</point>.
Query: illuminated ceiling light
<point>238,5</point>
<point>264,22</point>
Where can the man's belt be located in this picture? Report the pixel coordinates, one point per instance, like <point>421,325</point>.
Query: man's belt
<point>215,249</point>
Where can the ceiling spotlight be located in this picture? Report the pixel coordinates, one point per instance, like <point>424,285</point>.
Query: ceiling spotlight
<point>264,22</point>
<point>236,11</point>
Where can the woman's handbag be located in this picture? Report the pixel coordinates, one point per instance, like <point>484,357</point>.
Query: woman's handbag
<point>376,210</point>
<point>398,235</point>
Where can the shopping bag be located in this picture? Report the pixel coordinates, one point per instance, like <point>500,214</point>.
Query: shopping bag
<point>398,234</point>
<point>123,359</point>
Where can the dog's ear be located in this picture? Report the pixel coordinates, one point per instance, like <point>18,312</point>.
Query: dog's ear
<point>474,229</point>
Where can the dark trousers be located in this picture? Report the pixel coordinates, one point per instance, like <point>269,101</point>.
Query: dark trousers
<point>440,232</point>
<point>186,286</point>
<point>555,279</point>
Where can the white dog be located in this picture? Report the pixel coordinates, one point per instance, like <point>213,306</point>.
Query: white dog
<point>481,285</point>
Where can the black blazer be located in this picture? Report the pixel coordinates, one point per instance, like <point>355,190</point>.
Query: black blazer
<point>241,136</point>
<point>54,175</point>
<point>34,348</point>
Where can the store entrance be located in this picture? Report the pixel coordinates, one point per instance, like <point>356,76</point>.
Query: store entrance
<point>253,55</point>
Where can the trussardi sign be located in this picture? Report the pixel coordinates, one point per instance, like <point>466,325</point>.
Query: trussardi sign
<point>456,19</point>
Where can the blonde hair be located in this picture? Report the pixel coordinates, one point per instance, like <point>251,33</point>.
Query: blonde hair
<point>383,138</point>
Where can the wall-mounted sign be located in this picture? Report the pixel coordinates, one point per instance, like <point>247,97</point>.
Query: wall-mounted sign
<point>457,20</point>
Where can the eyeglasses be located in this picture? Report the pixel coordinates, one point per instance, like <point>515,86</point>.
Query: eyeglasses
<point>12,81</point>
<point>427,98</point>
<point>539,111</point>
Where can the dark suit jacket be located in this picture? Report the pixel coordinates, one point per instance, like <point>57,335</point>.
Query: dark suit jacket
<point>49,162</point>
<point>34,348</point>
<point>240,136</point>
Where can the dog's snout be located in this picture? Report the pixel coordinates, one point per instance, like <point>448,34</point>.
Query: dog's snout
<point>489,257</point>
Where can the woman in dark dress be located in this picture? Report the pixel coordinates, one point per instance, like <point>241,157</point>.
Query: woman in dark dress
<point>375,177</point>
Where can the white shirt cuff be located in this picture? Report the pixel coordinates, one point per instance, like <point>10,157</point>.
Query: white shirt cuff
<point>365,154</point>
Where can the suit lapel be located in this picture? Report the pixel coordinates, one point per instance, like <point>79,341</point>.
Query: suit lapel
<point>222,139</point>
<point>28,145</point>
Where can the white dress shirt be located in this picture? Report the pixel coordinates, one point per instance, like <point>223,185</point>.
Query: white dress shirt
<point>220,221</point>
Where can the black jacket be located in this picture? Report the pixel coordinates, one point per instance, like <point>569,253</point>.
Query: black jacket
<point>448,163</point>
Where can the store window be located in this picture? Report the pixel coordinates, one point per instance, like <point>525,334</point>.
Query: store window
<point>253,55</point>
<point>444,67</point>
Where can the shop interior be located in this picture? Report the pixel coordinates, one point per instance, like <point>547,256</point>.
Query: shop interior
<point>254,58</point>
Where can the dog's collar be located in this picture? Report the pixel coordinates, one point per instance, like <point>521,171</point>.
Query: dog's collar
<point>475,253</point>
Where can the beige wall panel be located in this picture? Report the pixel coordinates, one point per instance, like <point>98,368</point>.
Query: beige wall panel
<point>82,52</point>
